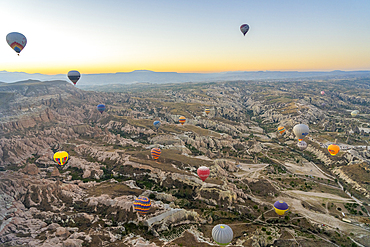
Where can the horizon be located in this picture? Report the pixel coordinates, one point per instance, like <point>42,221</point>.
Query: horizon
<point>234,71</point>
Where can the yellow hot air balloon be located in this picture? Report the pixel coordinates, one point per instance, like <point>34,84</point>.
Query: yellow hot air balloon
<point>354,113</point>
<point>207,111</point>
<point>61,157</point>
<point>281,129</point>
<point>333,149</point>
<point>281,207</point>
<point>182,120</point>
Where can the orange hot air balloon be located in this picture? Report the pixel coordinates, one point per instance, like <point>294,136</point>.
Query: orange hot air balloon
<point>182,120</point>
<point>281,129</point>
<point>207,111</point>
<point>156,152</point>
<point>333,149</point>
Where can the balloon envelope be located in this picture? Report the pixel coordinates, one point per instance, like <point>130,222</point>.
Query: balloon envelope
<point>333,149</point>
<point>182,120</point>
<point>354,113</point>
<point>207,111</point>
<point>280,207</point>
<point>300,131</point>
<point>222,234</point>
<point>281,129</point>
<point>203,172</point>
<point>61,157</point>
<point>244,28</point>
<point>322,93</point>
<point>157,124</point>
<point>16,41</point>
<point>302,145</point>
<point>74,76</point>
<point>156,152</point>
<point>101,108</point>
<point>142,204</point>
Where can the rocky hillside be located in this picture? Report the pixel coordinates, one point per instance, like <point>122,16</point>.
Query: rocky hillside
<point>89,201</point>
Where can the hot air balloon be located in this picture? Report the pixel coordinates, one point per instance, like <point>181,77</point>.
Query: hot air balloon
<point>354,113</point>
<point>244,28</point>
<point>74,76</point>
<point>302,145</point>
<point>157,124</point>
<point>142,204</point>
<point>61,157</point>
<point>222,234</point>
<point>322,93</point>
<point>207,111</point>
<point>16,41</point>
<point>203,172</point>
<point>280,207</point>
<point>333,149</point>
<point>281,129</point>
<point>300,131</point>
<point>156,152</point>
<point>182,120</point>
<point>101,108</point>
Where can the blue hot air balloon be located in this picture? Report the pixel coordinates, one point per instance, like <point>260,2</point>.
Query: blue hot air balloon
<point>281,207</point>
<point>157,124</point>
<point>101,108</point>
<point>74,76</point>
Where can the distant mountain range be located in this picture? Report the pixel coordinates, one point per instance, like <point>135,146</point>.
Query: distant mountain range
<point>147,76</point>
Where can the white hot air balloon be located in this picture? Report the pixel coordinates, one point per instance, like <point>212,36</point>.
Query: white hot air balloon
<point>16,41</point>
<point>222,234</point>
<point>300,131</point>
<point>302,145</point>
<point>244,29</point>
<point>354,113</point>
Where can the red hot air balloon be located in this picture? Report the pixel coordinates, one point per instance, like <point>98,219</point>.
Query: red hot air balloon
<point>203,172</point>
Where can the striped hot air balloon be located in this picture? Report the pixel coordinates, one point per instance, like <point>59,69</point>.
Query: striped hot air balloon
<point>16,41</point>
<point>207,111</point>
<point>203,172</point>
<point>222,234</point>
<point>182,120</point>
<point>142,204</point>
<point>74,76</point>
<point>101,108</point>
<point>61,157</point>
<point>156,152</point>
<point>281,129</point>
<point>280,207</point>
<point>333,149</point>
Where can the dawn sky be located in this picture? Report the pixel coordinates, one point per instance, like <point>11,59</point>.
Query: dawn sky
<point>186,36</point>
